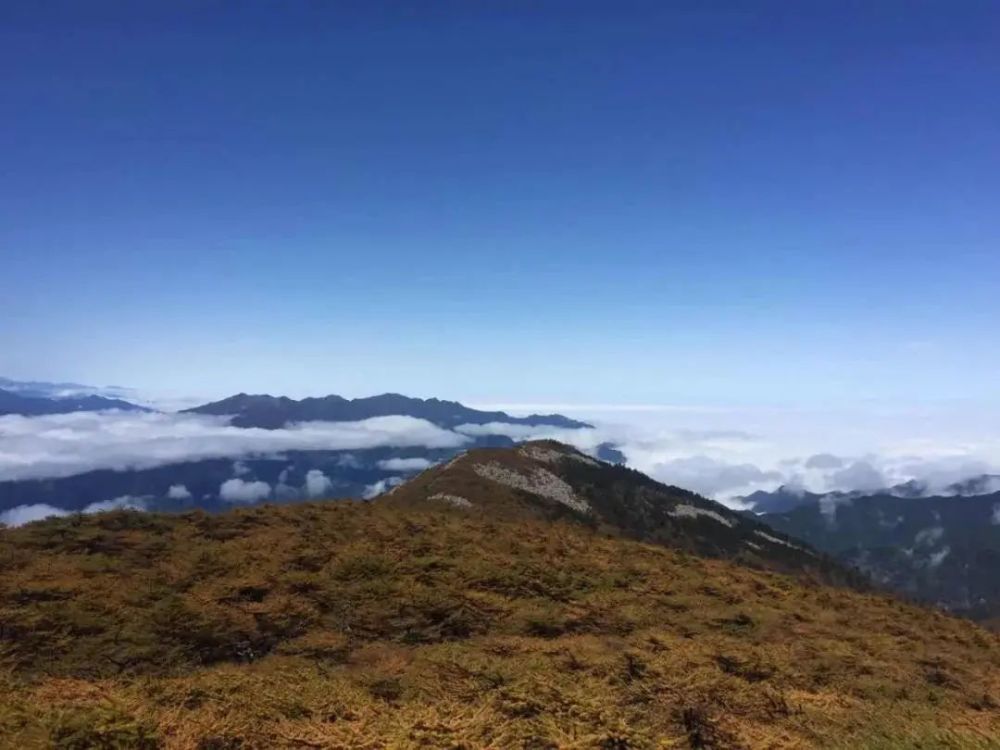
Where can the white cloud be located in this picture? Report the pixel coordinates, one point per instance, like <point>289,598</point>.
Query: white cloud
<point>405,464</point>
<point>178,492</point>
<point>379,487</point>
<point>928,537</point>
<point>23,514</point>
<point>828,506</point>
<point>585,436</point>
<point>824,461</point>
<point>727,463</point>
<point>63,444</point>
<point>126,502</point>
<point>317,484</point>
<point>236,490</point>
<point>936,558</point>
<point>709,476</point>
<point>860,475</point>
<point>721,452</point>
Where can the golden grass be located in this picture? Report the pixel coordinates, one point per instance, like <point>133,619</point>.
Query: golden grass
<point>362,626</point>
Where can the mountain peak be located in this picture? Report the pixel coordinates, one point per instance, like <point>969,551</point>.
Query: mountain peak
<point>547,479</point>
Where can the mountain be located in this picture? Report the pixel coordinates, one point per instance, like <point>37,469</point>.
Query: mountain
<point>31,406</point>
<point>388,625</point>
<point>273,412</point>
<point>779,500</point>
<point>785,498</point>
<point>45,389</point>
<point>942,550</point>
<point>984,484</point>
<point>284,477</point>
<point>549,480</point>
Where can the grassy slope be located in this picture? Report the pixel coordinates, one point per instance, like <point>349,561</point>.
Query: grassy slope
<point>623,502</point>
<point>361,625</point>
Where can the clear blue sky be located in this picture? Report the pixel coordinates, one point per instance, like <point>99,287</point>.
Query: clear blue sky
<point>612,202</point>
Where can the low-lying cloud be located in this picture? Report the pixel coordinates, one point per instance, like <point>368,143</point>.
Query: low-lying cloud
<point>405,465</point>
<point>238,490</point>
<point>23,514</point>
<point>380,487</point>
<point>824,461</point>
<point>714,458</point>
<point>727,463</point>
<point>178,492</point>
<point>858,475</point>
<point>60,445</point>
<point>708,476</point>
<point>317,484</point>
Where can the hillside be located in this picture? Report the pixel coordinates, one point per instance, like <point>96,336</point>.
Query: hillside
<point>361,625</point>
<point>549,480</point>
<point>272,412</point>
<point>942,550</point>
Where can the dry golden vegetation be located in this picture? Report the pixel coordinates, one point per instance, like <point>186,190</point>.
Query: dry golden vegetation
<point>548,480</point>
<point>352,625</point>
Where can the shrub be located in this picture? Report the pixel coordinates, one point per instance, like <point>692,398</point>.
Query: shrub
<point>100,729</point>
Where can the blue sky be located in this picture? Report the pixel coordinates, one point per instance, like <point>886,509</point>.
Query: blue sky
<point>550,201</point>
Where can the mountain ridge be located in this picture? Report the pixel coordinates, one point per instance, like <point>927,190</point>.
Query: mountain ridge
<point>550,480</point>
<point>272,412</point>
<point>12,403</point>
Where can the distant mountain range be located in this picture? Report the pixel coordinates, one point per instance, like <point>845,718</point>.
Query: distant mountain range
<point>33,406</point>
<point>273,412</point>
<point>284,476</point>
<point>942,550</point>
<point>785,498</point>
<point>35,398</point>
<point>46,389</point>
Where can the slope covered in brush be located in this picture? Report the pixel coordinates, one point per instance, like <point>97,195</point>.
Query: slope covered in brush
<point>546,479</point>
<point>362,625</point>
<point>942,550</point>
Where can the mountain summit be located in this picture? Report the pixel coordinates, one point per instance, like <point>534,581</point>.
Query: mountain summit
<point>273,412</point>
<point>548,480</point>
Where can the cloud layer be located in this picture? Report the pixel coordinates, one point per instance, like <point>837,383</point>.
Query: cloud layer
<point>64,444</point>
<point>405,465</point>
<point>23,514</point>
<point>237,490</point>
<point>723,455</point>
<point>736,453</point>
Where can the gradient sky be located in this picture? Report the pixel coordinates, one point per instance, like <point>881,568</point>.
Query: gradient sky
<point>616,202</point>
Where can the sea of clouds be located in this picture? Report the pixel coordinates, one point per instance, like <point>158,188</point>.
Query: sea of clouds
<point>729,452</point>
<point>721,453</point>
<point>59,445</point>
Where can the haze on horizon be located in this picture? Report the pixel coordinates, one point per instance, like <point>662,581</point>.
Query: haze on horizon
<point>750,206</point>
